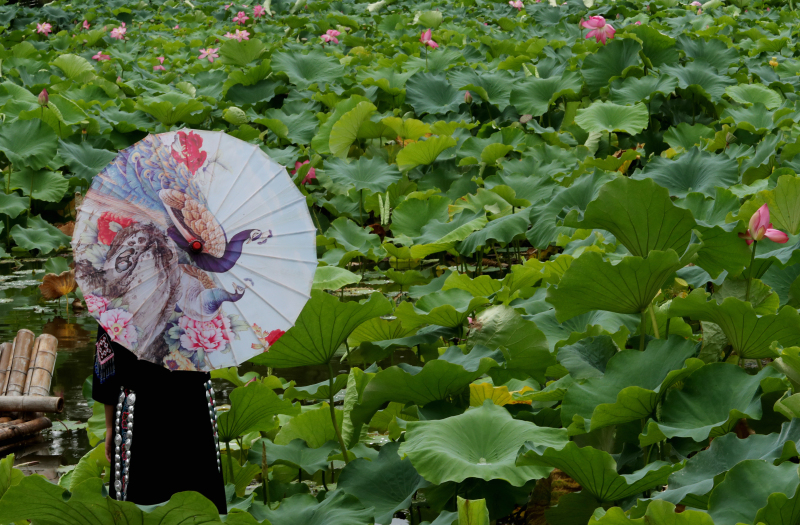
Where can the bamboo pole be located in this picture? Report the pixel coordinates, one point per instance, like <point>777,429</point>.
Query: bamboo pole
<point>20,360</point>
<point>40,374</point>
<point>29,371</point>
<point>31,404</point>
<point>24,429</point>
<point>5,364</point>
<point>30,440</point>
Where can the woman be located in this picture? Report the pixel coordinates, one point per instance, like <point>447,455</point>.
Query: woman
<point>176,447</point>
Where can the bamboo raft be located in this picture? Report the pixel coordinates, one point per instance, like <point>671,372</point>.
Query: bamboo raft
<point>26,371</point>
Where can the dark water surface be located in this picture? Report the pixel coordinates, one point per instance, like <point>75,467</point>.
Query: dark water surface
<point>22,306</point>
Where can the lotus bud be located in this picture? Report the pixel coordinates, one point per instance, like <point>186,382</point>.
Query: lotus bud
<point>468,97</point>
<point>235,116</point>
<point>44,98</point>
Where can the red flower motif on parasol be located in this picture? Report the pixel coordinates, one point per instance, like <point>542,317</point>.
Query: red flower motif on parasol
<point>191,154</point>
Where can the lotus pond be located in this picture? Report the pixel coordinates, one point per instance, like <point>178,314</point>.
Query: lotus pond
<point>558,248</point>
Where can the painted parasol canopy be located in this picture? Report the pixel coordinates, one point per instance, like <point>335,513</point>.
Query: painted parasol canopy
<point>194,250</point>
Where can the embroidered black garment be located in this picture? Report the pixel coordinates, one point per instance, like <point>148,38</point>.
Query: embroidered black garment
<point>174,450</point>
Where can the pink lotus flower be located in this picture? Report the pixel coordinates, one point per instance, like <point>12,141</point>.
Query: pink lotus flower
<point>760,227</point>
<point>238,36</point>
<point>86,24</point>
<point>425,38</point>
<point>258,11</point>
<point>116,323</point>
<point>159,68</point>
<point>227,6</point>
<point>599,29</point>
<point>311,175</point>
<point>119,32</point>
<point>696,4</point>
<point>241,18</point>
<point>328,39</point>
<point>517,3</point>
<point>100,56</point>
<point>637,23</point>
<point>176,27</point>
<point>208,336</point>
<point>468,97</point>
<point>44,98</point>
<point>160,60</point>
<point>210,54</point>
<point>95,303</point>
<point>44,28</point>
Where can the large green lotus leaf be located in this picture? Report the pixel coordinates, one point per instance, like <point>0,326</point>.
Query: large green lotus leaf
<point>755,118</point>
<point>657,513</point>
<point>353,238</point>
<point>588,324</point>
<point>472,511</point>
<point>709,211</point>
<point>261,91</point>
<point>640,214</point>
<point>529,188</point>
<point>713,51</point>
<point>789,364</point>
<point>443,308</point>
<point>631,387</point>
<point>481,443</point>
<point>432,93</point>
<point>696,479</point>
<point>754,94</point>
<point>12,204</point>
<point>84,160</point>
<point>388,79</point>
<point>438,236</point>
<point>502,230</point>
<point>578,195</point>
<point>28,143</point>
<point>39,235</point>
<point>784,203</point>
<point>657,47</point>
<point>423,152</point>
<point>627,287</point>
<point>323,325</point>
<point>296,454</point>
<point>746,489</point>
<point>750,334</point>
<point>174,107</point>
<point>253,407</point>
<point>763,299</point>
<point>694,171</point>
<point>523,345</point>
<point>297,127</point>
<point>43,502</point>
<point>481,286</point>
<point>314,426</point>
<point>701,79</point>
<point>321,141</point>
<point>595,470</point>
<point>345,130</point>
<point>315,67</point>
<point>633,90</point>
<point>333,278</point>
<point>588,358</point>
<point>411,215</point>
<point>339,508</point>
<point>75,67</point>
<point>241,53</point>
<point>534,95</point>
<point>493,87</point>
<point>434,381</point>
<point>408,129</point>
<point>386,484</point>
<point>615,59</point>
<point>321,390</point>
<point>47,186</point>
<point>686,135</point>
<point>711,402</point>
<point>603,117</point>
<point>362,174</point>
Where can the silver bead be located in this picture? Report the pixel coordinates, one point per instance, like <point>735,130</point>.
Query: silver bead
<point>119,406</point>
<point>130,419</point>
<point>118,439</point>
<point>130,409</point>
<point>208,394</point>
<point>131,398</point>
<point>127,463</point>
<point>128,455</point>
<point>218,456</point>
<point>118,485</point>
<point>211,391</point>
<point>117,449</point>
<point>129,435</point>
<point>119,414</point>
<point>117,458</point>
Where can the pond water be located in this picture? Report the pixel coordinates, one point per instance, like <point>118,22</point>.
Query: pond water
<point>22,306</point>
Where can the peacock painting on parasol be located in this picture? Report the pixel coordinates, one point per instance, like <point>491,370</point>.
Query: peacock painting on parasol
<point>194,250</point>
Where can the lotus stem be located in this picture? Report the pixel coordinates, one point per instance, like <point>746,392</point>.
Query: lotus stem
<point>360,206</point>
<point>642,330</point>
<point>333,414</point>
<point>666,329</point>
<point>265,470</point>
<point>653,320</point>
<point>750,273</point>
<point>230,460</point>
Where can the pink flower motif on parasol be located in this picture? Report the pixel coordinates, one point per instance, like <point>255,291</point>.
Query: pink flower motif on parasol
<point>208,336</point>
<point>274,336</point>
<point>117,323</point>
<point>190,151</point>
<point>265,339</point>
<point>95,303</point>
<point>105,233</point>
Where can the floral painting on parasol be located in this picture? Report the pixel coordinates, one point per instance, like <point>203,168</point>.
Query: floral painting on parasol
<point>194,250</point>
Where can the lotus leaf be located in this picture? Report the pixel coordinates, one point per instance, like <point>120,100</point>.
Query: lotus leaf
<point>294,454</point>
<point>253,407</point>
<point>481,443</point>
<point>339,509</point>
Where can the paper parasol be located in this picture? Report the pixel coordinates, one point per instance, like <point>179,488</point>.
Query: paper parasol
<point>194,250</point>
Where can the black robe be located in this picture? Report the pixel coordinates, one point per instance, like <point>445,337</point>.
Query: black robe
<point>173,447</point>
